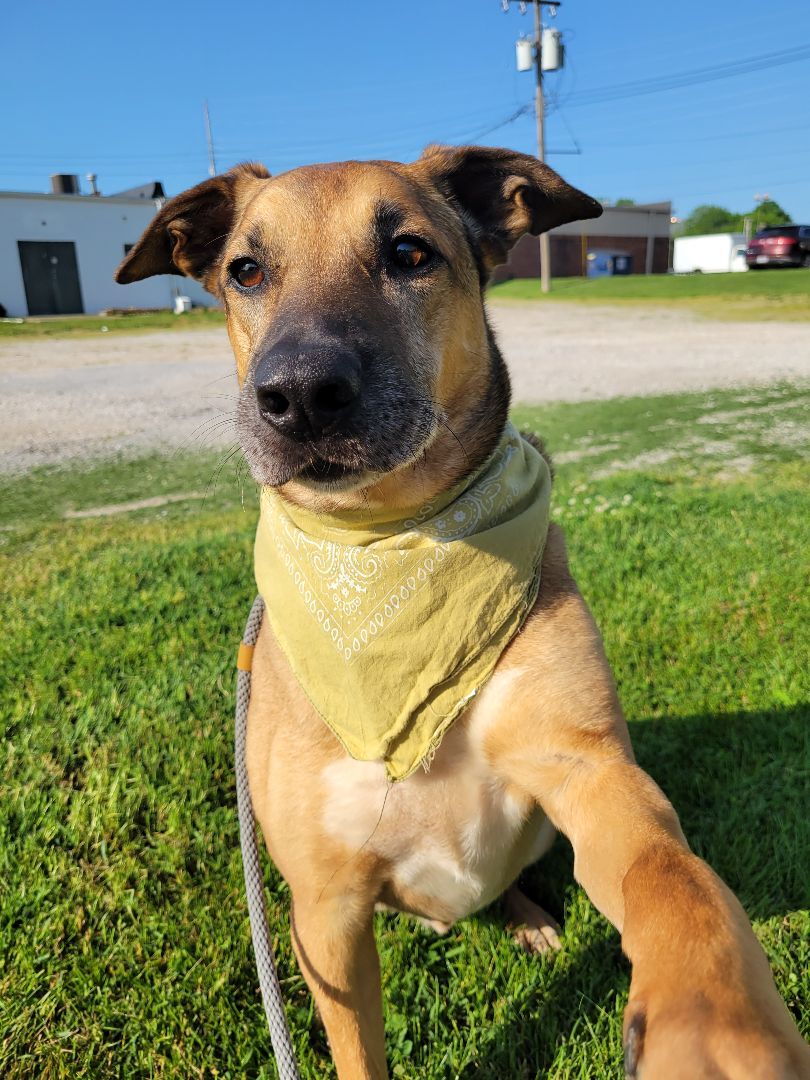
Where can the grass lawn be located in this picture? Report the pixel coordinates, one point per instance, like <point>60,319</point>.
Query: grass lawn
<point>123,922</point>
<point>91,325</point>
<point>756,296</point>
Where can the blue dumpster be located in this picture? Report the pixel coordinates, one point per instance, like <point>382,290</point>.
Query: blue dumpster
<point>609,263</point>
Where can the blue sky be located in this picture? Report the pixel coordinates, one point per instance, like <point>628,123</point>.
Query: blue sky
<point>117,89</point>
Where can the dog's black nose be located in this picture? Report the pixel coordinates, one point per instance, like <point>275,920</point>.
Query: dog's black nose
<point>305,395</point>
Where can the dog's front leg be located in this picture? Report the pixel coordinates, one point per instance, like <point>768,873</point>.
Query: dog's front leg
<point>333,938</point>
<point>702,999</point>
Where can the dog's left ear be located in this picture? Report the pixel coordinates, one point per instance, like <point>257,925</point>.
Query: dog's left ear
<point>189,233</point>
<point>503,194</point>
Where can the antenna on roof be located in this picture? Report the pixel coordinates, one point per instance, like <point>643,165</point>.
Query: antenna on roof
<point>209,138</point>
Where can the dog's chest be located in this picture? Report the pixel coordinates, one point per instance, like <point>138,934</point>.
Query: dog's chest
<point>451,839</point>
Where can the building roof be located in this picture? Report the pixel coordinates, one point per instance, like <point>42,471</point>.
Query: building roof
<point>646,208</point>
<point>646,219</point>
<point>118,197</point>
<point>151,190</point>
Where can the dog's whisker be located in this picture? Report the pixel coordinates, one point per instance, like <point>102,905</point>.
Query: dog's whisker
<point>219,378</point>
<point>204,428</point>
<point>242,474</point>
<point>444,423</point>
<point>214,479</point>
<point>364,493</point>
<point>210,425</point>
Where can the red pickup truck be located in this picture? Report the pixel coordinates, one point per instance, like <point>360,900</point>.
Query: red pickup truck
<point>779,245</point>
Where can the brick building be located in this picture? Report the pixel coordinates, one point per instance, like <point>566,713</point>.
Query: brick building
<point>642,232</point>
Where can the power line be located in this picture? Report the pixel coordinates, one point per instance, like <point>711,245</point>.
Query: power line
<point>717,135</point>
<point>594,95</point>
<point>772,185</point>
<point>12,165</point>
<point>693,77</point>
<point>524,110</point>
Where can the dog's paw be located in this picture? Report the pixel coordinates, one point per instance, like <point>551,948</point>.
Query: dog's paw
<point>689,1038</point>
<point>534,930</point>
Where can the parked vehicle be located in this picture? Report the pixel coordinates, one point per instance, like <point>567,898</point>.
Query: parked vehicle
<point>779,245</point>
<point>717,253</point>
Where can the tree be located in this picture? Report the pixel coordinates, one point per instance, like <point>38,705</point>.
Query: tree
<point>769,213</point>
<point>711,219</point>
<point>716,219</point>
<point>625,202</point>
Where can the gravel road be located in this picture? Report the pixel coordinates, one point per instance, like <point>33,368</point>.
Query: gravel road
<point>66,398</point>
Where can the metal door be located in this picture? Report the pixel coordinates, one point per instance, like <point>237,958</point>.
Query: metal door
<point>51,277</point>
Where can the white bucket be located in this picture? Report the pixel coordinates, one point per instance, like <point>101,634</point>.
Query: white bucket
<point>182,304</point>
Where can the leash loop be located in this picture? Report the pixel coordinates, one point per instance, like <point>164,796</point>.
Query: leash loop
<point>254,885</point>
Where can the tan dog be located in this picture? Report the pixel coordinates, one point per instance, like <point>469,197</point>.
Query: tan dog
<point>370,378</point>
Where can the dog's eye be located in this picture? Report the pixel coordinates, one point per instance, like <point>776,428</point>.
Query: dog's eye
<point>410,253</point>
<point>246,272</point>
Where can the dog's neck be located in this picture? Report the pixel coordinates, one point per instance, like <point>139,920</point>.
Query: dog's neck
<point>358,602</point>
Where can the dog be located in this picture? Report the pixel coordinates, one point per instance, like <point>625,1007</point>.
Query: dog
<point>371,383</point>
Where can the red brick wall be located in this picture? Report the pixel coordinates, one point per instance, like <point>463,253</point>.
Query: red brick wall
<point>661,255</point>
<point>566,255</point>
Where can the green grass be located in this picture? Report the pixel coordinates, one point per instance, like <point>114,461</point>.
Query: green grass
<point>756,296</point>
<point>91,325</point>
<point>122,916</point>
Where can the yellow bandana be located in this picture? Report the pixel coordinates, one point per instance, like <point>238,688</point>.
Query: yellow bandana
<point>392,627</point>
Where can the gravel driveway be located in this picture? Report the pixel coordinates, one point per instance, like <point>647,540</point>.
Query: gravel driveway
<point>75,398</point>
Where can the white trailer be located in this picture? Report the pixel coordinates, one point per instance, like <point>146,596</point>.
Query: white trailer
<point>720,253</point>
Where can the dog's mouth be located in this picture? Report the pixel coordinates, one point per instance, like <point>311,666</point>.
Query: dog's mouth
<point>328,472</point>
<point>390,434</point>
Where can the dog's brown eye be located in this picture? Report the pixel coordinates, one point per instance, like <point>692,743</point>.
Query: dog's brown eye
<point>410,253</point>
<point>248,273</point>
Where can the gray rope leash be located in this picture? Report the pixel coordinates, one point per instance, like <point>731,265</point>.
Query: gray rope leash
<point>254,886</point>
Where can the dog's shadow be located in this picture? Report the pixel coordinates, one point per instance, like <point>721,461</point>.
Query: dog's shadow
<point>738,782</point>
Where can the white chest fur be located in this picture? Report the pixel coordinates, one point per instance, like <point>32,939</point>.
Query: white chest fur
<point>453,838</point>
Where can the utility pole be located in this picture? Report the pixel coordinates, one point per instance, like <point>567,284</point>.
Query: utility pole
<point>212,161</point>
<point>540,114</point>
<point>525,63</point>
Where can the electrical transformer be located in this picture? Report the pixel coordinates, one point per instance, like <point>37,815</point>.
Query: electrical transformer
<point>553,53</point>
<point>524,54</point>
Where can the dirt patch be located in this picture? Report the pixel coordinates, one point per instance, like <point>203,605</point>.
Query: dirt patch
<point>91,397</point>
<point>136,504</point>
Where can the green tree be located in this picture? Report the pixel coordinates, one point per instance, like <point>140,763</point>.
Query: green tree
<point>625,202</point>
<point>716,219</point>
<point>711,219</point>
<point>769,213</point>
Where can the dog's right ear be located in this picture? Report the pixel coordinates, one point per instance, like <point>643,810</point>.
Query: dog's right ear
<point>188,234</point>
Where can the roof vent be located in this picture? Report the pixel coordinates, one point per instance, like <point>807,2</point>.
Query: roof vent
<point>64,184</point>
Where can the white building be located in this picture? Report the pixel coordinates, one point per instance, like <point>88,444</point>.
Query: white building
<point>58,253</point>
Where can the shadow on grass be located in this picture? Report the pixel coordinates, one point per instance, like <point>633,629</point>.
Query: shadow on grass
<point>739,783</point>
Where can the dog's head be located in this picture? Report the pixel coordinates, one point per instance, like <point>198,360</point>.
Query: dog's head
<point>354,301</point>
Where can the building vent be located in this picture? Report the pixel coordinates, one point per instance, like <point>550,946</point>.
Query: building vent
<point>64,184</point>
